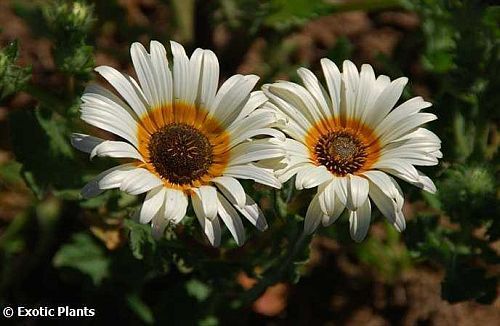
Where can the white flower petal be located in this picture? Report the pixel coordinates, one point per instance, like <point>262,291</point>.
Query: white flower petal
<point>407,172</point>
<point>139,181</point>
<point>425,183</point>
<point>350,83</point>
<point>145,72</point>
<point>299,98</point>
<point>232,220</point>
<point>116,149</point>
<point>333,81</point>
<point>208,197</point>
<point>232,189</point>
<point>256,150</point>
<point>108,179</point>
<point>153,202</point>
<point>176,203</point>
<point>312,177</point>
<point>293,115</point>
<point>316,90</point>
<point>211,228</point>
<point>359,221</point>
<point>85,143</point>
<point>241,129</point>
<point>386,197</point>
<point>386,101</point>
<point>364,94</point>
<point>99,96</point>
<point>115,178</point>
<point>292,169</point>
<point>313,216</point>
<point>389,130</point>
<point>108,122</point>
<point>126,87</point>
<point>398,168</point>
<point>357,191</point>
<point>249,171</point>
<point>253,213</point>
<point>257,98</point>
<point>163,74</point>
<point>195,70</point>
<point>159,224</point>
<point>181,73</point>
<point>105,110</point>
<point>232,101</point>
<point>209,79</point>
<point>330,205</point>
<point>412,106</point>
<point>340,187</point>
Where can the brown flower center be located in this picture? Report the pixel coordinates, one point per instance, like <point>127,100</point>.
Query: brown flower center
<point>180,153</point>
<point>341,152</point>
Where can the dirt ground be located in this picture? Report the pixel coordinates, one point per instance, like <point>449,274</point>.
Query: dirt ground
<point>334,290</point>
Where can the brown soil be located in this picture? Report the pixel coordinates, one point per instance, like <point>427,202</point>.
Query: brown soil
<point>335,290</point>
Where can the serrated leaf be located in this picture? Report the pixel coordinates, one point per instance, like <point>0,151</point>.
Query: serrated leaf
<point>141,240</point>
<point>287,13</point>
<point>85,255</point>
<point>41,144</point>
<point>13,78</point>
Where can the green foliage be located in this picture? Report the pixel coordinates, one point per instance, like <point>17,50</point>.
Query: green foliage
<point>84,255</point>
<point>141,240</point>
<point>41,144</point>
<point>385,255</point>
<point>461,53</point>
<point>68,24</point>
<point>140,308</point>
<point>198,290</point>
<point>13,78</point>
<point>64,239</point>
<point>282,14</point>
<point>463,282</point>
<point>469,191</point>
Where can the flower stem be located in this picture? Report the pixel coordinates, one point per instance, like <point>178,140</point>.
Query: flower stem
<point>279,272</point>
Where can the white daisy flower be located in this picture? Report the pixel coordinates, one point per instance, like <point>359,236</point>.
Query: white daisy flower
<point>348,140</point>
<point>185,139</point>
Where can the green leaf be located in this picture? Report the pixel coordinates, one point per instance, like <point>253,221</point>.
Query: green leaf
<point>68,24</point>
<point>198,290</point>
<point>341,51</point>
<point>138,306</point>
<point>85,255</point>
<point>10,172</point>
<point>40,142</point>
<point>78,60</point>
<point>467,191</point>
<point>13,78</point>
<point>141,241</point>
<point>284,14</point>
<point>387,256</point>
<point>209,321</point>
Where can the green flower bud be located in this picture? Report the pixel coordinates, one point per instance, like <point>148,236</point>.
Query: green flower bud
<point>72,20</point>
<point>468,192</point>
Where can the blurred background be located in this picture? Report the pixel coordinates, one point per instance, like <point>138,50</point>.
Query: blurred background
<point>56,248</point>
